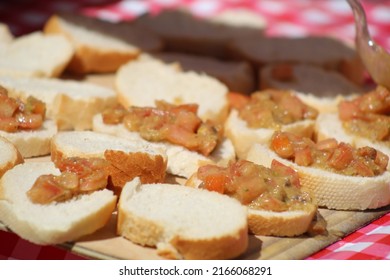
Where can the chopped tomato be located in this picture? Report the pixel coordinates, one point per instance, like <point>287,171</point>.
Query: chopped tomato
<point>177,124</point>
<point>46,190</point>
<point>282,145</point>
<point>341,157</point>
<point>284,170</point>
<point>303,156</point>
<point>78,176</point>
<point>237,100</point>
<point>14,114</point>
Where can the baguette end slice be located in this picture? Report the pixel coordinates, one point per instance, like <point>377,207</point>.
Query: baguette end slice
<point>182,222</point>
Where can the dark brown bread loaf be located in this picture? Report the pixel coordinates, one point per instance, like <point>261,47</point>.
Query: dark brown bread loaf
<point>324,52</point>
<point>238,76</point>
<point>306,78</point>
<point>183,32</point>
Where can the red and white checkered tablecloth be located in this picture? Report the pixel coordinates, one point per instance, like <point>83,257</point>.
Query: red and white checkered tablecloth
<point>283,17</point>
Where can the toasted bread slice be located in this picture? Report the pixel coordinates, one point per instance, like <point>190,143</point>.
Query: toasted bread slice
<point>332,190</point>
<point>143,81</point>
<point>101,46</point>
<point>273,223</point>
<point>10,156</point>
<point>35,55</point>
<point>181,161</point>
<point>71,104</point>
<point>33,143</point>
<point>182,222</point>
<point>52,223</point>
<point>243,137</point>
<point>329,125</point>
<point>128,159</point>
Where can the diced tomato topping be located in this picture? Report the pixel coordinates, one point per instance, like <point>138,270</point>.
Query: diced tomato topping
<point>237,100</point>
<point>78,176</point>
<point>282,145</point>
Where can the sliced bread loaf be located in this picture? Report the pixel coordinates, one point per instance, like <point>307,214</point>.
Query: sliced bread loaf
<point>101,46</point>
<point>181,161</point>
<point>35,55</point>
<point>52,223</point>
<point>329,189</point>
<point>182,222</point>
<point>128,159</point>
<point>71,104</point>
<point>142,82</point>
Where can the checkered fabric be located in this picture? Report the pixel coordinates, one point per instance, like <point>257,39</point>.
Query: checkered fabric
<point>368,243</point>
<point>12,247</point>
<point>283,17</point>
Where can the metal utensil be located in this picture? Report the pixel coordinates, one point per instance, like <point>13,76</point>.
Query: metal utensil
<point>375,58</point>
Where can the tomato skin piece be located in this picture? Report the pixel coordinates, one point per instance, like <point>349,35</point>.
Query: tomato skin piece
<point>216,183</point>
<point>237,100</point>
<point>341,157</point>
<point>282,145</point>
<point>46,190</point>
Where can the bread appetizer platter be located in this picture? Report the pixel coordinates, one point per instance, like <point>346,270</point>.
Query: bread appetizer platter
<point>119,147</point>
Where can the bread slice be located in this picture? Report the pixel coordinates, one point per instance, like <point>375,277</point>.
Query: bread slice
<point>36,55</point>
<point>272,223</point>
<point>141,82</point>
<point>128,159</point>
<point>181,161</point>
<point>182,222</point>
<point>71,104</point>
<point>33,143</point>
<point>243,137</point>
<point>238,76</point>
<point>5,35</point>
<point>331,190</point>
<point>101,46</point>
<point>10,156</point>
<point>329,125</point>
<point>55,222</point>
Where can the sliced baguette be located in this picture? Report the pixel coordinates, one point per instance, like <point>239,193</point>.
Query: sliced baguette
<point>332,190</point>
<point>181,161</point>
<point>10,156</point>
<point>143,81</point>
<point>55,222</point>
<point>182,222</point>
<point>33,143</point>
<point>100,46</point>
<point>5,35</point>
<point>272,223</point>
<point>329,125</point>
<point>128,159</point>
<point>36,55</point>
<point>72,104</point>
<point>243,137</point>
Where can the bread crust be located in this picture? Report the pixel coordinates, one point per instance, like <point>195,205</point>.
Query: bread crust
<point>331,190</point>
<point>87,58</point>
<point>14,157</point>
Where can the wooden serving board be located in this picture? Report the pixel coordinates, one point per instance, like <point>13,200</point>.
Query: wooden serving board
<point>105,244</point>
